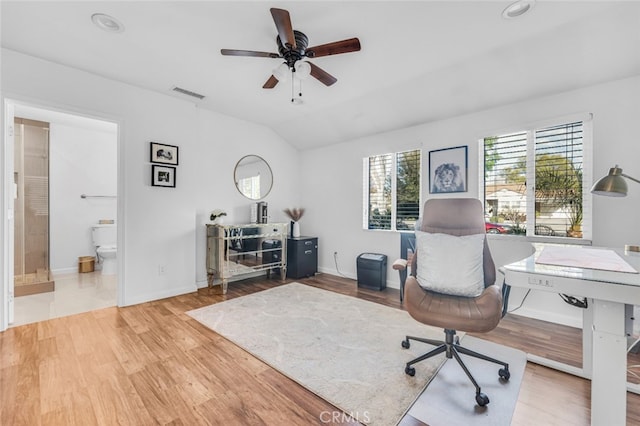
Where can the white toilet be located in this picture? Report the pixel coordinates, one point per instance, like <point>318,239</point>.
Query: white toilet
<point>105,238</point>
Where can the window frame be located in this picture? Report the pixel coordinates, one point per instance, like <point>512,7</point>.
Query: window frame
<point>394,194</point>
<point>587,167</point>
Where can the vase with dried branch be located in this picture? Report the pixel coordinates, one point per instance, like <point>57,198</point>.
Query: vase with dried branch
<point>295,214</point>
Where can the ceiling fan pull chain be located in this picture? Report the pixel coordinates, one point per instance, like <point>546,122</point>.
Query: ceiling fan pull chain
<point>292,88</point>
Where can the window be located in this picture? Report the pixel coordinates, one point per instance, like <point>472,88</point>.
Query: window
<point>534,179</point>
<point>250,186</point>
<point>392,190</point>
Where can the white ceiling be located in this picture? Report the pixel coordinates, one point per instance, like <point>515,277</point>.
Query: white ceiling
<point>420,60</point>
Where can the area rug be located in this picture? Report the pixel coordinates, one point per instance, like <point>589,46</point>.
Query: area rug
<point>345,350</point>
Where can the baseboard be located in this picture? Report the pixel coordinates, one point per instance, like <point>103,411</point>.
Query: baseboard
<point>550,317</point>
<point>390,283</point>
<point>129,301</point>
<point>65,270</point>
<point>331,271</point>
<point>204,283</point>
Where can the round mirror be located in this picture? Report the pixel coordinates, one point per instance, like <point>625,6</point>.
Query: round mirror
<point>253,177</point>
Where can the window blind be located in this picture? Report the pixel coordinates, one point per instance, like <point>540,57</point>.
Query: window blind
<point>392,190</point>
<point>379,211</point>
<point>534,181</point>
<point>407,189</point>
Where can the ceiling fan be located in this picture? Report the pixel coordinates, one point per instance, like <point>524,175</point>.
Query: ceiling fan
<point>292,47</point>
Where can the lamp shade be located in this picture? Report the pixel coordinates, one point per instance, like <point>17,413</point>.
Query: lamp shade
<point>282,72</point>
<point>612,185</point>
<point>303,69</point>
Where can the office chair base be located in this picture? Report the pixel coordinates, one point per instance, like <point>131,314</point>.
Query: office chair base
<point>451,347</point>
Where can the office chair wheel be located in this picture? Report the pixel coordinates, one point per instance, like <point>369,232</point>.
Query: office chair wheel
<point>410,371</point>
<point>406,344</point>
<point>504,374</point>
<point>482,399</point>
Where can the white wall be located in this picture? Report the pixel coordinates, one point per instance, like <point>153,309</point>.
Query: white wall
<point>81,161</point>
<point>216,163</point>
<point>164,226</point>
<point>332,180</point>
<point>161,226</point>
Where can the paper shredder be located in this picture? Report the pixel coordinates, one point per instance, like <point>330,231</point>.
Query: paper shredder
<point>372,271</point>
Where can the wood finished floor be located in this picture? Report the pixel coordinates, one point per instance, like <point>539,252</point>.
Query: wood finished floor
<point>152,364</point>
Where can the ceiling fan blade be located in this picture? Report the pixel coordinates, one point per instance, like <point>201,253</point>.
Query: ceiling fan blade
<point>335,48</point>
<point>271,83</point>
<point>283,24</point>
<point>236,52</point>
<point>322,75</point>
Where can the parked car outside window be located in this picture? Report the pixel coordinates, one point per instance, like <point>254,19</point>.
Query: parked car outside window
<point>496,228</point>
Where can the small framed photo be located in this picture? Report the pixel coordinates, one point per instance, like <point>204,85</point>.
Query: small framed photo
<point>448,170</point>
<point>164,154</point>
<point>163,176</point>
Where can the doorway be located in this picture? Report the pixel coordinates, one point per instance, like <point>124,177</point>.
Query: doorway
<point>82,192</point>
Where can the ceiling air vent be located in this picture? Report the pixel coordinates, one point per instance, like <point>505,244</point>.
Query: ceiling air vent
<point>188,92</point>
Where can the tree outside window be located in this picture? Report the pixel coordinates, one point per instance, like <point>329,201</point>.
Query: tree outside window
<point>393,195</point>
<point>546,181</point>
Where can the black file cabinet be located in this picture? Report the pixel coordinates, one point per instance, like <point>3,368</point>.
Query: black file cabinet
<point>302,257</point>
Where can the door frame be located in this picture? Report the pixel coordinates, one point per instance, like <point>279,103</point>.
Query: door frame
<point>6,201</point>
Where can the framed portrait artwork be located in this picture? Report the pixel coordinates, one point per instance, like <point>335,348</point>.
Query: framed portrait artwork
<point>163,176</point>
<point>164,154</point>
<point>448,170</point>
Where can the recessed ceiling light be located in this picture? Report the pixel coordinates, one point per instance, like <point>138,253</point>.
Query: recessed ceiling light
<point>107,23</point>
<point>518,8</point>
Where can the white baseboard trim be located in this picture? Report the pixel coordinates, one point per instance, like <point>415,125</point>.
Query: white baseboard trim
<point>332,271</point>
<point>393,284</point>
<point>204,283</point>
<point>550,317</point>
<point>135,300</point>
<point>390,283</point>
<point>65,270</point>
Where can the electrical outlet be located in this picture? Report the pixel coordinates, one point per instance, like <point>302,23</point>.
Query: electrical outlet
<point>161,270</point>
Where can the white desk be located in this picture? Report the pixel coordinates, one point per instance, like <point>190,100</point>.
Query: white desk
<point>604,352</point>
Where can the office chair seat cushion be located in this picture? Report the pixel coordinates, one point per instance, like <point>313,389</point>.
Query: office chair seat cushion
<point>450,264</point>
<point>470,314</point>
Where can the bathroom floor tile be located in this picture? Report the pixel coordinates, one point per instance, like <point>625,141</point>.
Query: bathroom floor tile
<point>75,293</point>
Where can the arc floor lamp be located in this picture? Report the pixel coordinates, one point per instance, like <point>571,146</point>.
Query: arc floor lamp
<point>614,185</point>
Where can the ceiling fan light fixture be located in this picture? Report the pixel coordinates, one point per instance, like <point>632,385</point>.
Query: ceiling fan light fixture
<point>518,8</point>
<point>303,69</point>
<point>282,72</point>
<point>107,23</point>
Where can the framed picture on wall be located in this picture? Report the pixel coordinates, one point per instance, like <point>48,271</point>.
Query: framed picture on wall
<point>448,170</point>
<point>163,176</point>
<point>164,154</point>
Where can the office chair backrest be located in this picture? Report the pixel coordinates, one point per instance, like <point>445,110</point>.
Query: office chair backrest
<point>459,216</point>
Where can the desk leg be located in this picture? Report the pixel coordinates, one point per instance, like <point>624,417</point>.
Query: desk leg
<point>609,376</point>
<point>587,340</point>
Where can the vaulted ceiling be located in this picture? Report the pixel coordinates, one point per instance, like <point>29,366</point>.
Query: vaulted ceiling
<point>420,60</point>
